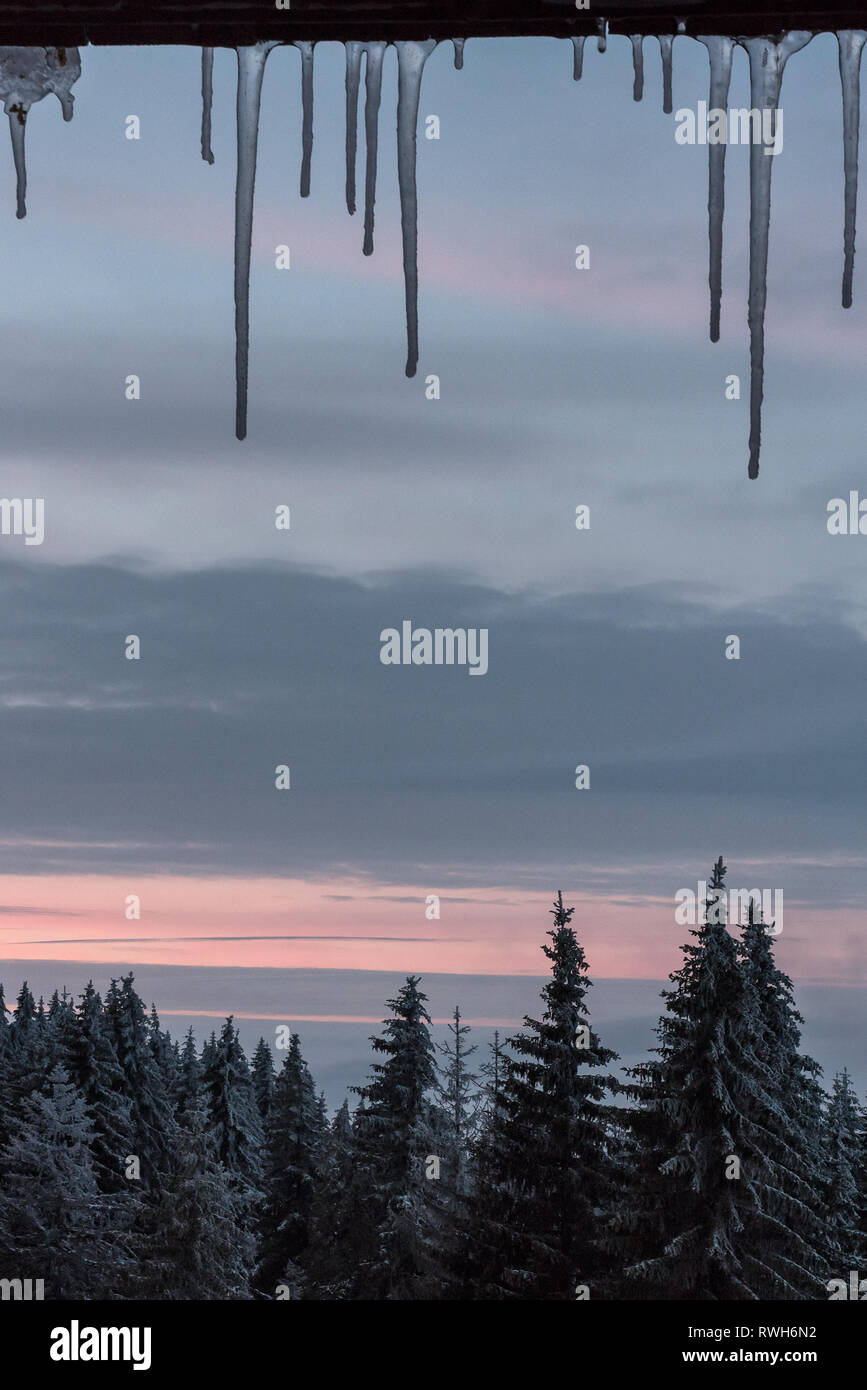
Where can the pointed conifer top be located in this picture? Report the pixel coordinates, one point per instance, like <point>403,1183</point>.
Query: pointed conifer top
<point>562,915</point>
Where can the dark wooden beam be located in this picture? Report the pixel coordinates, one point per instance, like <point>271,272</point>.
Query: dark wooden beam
<point>224,23</point>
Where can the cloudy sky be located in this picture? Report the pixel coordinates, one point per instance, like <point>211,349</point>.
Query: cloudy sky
<point>261,647</point>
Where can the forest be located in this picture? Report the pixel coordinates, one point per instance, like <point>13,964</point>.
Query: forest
<point>135,1166</point>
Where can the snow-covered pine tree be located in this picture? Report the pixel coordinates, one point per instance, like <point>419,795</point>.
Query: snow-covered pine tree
<point>90,1061</point>
<point>142,1081</point>
<point>720,1207</point>
<point>25,1012</point>
<point>194,1240</point>
<point>263,1077</point>
<point>163,1052</point>
<point>32,1053</point>
<point>338,1219</point>
<point>293,1138</point>
<point>458,1099</point>
<point>189,1083</point>
<point>493,1070</point>
<point>4,1020</point>
<point>209,1051</point>
<point>543,1176</point>
<point>53,1222</point>
<point>783,1244</point>
<point>454,1121</point>
<point>862,1173</point>
<point>844,1122</point>
<point>60,1008</point>
<point>4,1066</point>
<point>232,1109</point>
<point>394,1129</point>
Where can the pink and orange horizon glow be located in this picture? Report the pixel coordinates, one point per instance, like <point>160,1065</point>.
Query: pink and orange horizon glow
<point>356,924</point>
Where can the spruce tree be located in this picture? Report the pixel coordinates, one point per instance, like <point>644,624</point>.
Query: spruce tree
<point>141,1080</point>
<point>234,1117</point>
<point>458,1103</point>
<point>60,1009</point>
<point>25,1012</point>
<point>493,1071</point>
<point>189,1089</point>
<point>394,1131</point>
<point>723,1204</point>
<point>263,1077</point>
<point>844,1122</point>
<point>209,1051</point>
<point>163,1052</point>
<point>339,1216</point>
<point>32,1053</point>
<point>784,1243</point>
<point>4,1021</point>
<point>53,1221</point>
<point>194,1240</point>
<point>293,1145</point>
<point>91,1062</point>
<point>543,1173</point>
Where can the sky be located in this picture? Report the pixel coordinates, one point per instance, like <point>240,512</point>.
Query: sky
<point>260,647</point>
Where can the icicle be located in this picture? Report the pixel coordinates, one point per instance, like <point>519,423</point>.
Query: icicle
<point>578,56</point>
<point>17,126</point>
<point>602,41</point>
<point>637,66</point>
<point>459,52</point>
<point>720,50</point>
<point>767,62</point>
<point>207,98</point>
<point>411,58</point>
<point>66,100</point>
<point>850,43</point>
<point>665,44</point>
<point>61,91</point>
<point>306,50</point>
<point>26,76</point>
<point>373,91</point>
<point>251,68</point>
<point>353,75</point>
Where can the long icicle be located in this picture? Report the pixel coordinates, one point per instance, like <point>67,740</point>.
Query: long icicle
<point>207,100</point>
<point>637,41</point>
<point>411,58</point>
<point>459,52</point>
<point>578,56</point>
<point>17,127</point>
<point>251,69</point>
<point>767,62</point>
<point>353,75</point>
<point>665,46</point>
<point>720,51</point>
<point>602,30</point>
<point>850,42</point>
<point>372,94</point>
<point>306,50</point>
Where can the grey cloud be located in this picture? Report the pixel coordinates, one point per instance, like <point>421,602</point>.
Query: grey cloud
<point>425,774</point>
<point>162,940</point>
<point>11,910</point>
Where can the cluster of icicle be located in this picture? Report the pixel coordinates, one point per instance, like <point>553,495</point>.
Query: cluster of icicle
<point>26,76</point>
<point>767,60</point>
<point>411,58</point>
<point>29,74</point>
